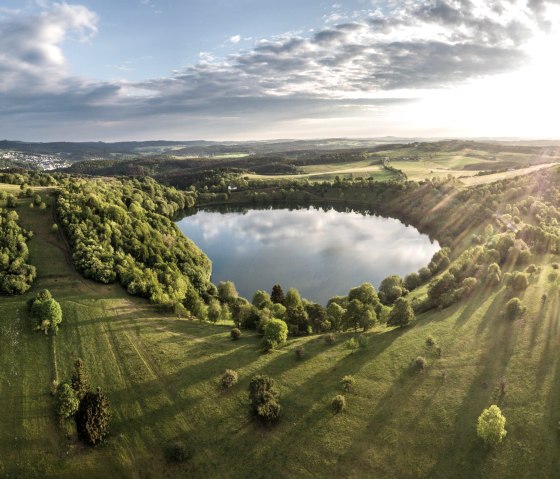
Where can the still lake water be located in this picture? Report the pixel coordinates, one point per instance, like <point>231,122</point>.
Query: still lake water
<point>321,253</point>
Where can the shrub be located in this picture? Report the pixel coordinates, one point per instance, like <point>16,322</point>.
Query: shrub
<point>80,379</point>
<point>178,452</point>
<point>532,268</point>
<point>54,228</point>
<point>264,398</point>
<point>519,281</point>
<point>347,382</point>
<point>330,339</point>
<point>229,379</point>
<point>67,401</point>
<point>363,341</point>
<point>92,418</point>
<point>299,352</point>
<point>412,281</point>
<point>351,344</point>
<point>439,351</point>
<point>555,265</point>
<point>514,308</point>
<point>338,403</point>
<point>420,364</point>
<point>491,426</point>
<point>430,341</point>
<point>235,334</point>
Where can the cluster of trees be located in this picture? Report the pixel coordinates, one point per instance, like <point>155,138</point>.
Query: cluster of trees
<point>90,409</point>
<point>16,276</point>
<point>121,230</point>
<point>46,312</point>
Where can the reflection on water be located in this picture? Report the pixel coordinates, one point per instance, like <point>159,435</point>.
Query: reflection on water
<point>322,253</point>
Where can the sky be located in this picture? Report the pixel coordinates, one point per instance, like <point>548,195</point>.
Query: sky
<point>105,70</point>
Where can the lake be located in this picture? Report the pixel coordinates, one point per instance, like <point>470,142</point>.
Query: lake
<point>322,253</point>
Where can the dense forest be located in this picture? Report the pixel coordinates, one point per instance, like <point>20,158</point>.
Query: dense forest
<point>121,230</point>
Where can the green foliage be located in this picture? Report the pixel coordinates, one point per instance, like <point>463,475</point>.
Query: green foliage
<point>229,379</point>
<point>46,312</point>
<point>121,230</point>
<point>67,400</point>
<point>235,334</point>
<point>80,379</point>
<point>412,281</point>
<point>93,416</point>
<point>338,404</point>
<point>401,314</point>
<point>214,311</point>
<point>261,299</point>
<point>227,292</point>
<point>514,308</point>
<point>420,364</point>
<point>519,281</point>
<point>365,294</point>
<point>441,289</point>
<point>264,398</point>
<point>335,316</point>
<point>330,339</point>
<point>491,426</point>
<point>275,334</point>
<point>391,288</point>
<point>16,276</point>
<point>351,344</point>
<point>359,315</point>
<point>348,382</point>
<point>277,294</point>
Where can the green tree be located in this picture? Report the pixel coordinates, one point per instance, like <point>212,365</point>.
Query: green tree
<point>214,311</point>
<point>261,299</point>
<point>275,333</point>
<point>401,314</point>
<point>335,316</point>
<point>391,288</point>
<point>67,400</point>
<point>412,281</point>
<point>277,294</point>
<point>227,292</point>
<point>93,416</point>
<point>365,293</point>
<point>491,426</point>
<point>80,379</point>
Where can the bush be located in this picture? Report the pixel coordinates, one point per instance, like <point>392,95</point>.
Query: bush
<point>67,401</point>
<point>491,426</point>
<point>92,418</point>
<point>363,341</point>
<point>555,265</point>
<point>532,268</point>
<point>412,281</point>
<point>347,382</point>
<point>299,352</point>
<point>338,403</point>
<point>264,398</point>
<point>420,364</point>
<point>330,339</point>
<point>430,341</point>
<point>351,344</point>
<point>519,281</point>
<point>177,453</point>
<point>401,314</point>
<point>235,334</point>
<point>229,379</point>
<point>514,308</point>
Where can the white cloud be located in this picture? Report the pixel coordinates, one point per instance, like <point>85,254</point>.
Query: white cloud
<point>235,39</point>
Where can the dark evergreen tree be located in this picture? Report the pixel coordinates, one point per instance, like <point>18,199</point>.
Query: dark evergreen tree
<point>277,294</point>
<point>92,418</point>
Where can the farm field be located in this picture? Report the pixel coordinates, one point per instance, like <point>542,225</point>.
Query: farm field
<point>161,375</point>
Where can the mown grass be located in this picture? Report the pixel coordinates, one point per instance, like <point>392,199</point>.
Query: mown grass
<point>161,375</point>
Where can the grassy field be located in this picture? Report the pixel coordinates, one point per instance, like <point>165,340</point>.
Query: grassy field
<point>161,375</point>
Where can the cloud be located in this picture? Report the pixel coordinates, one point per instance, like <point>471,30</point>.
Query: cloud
<point>341,70</point>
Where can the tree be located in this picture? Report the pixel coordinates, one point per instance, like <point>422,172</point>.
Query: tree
<point>11,201</point>
<point>338,404</point>
<point>317,315</point>
<point>67,400</point>
<point>277,294</point>
<point>51,313</point>
<point>261,299</point>
<point>491,426</point>
<point>412,281</point>
<point>401,314</point>
<point>264,397</point>
<point>391,288</point>
<point>93,416</point>
<point>214,311</point>
<point>335,316</point>
<point>365,293</point>
<point>80,379</point>
<point>227,292</point>
<point>514,308</point>
<point>275,333</point>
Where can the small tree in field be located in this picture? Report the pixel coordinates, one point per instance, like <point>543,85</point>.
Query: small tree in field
<point>338,403</point>
<point>67,400</point>
<point>275,333</point>
<point>491,427</point>
<point>264,397</point>
<point>80,379</point>
<point>229,379</point>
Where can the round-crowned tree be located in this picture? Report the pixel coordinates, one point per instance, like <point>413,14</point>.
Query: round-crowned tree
<point>491,426</point>
<point>92,418</point>
<point>67,401</point>
<point>401,314</point>
<point>264,398</point>
<point>275,333</point>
